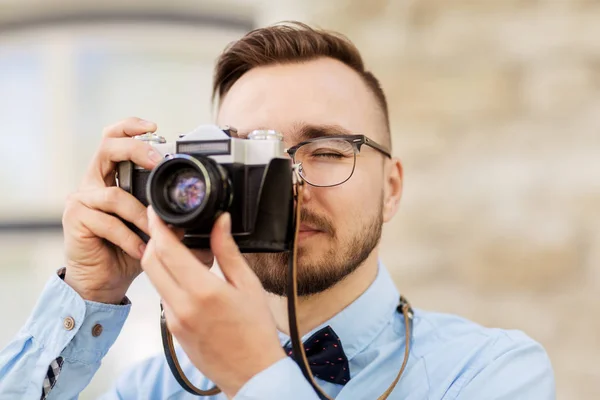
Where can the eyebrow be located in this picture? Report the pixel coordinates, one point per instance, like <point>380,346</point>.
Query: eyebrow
<point>301,131</point>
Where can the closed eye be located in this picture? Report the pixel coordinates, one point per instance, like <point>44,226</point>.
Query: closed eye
<point>328,155</point>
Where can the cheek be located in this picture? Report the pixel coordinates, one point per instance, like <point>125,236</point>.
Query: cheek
<point>364,189</point>
<point>349,204</point>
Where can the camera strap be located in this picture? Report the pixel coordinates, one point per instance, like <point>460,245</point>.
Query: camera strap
<point>169,348</point>
<point>298,352</point>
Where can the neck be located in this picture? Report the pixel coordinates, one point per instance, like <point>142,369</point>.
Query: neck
<point>315,309</point>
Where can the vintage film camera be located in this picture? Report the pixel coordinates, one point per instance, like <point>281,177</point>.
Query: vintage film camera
<point>209,171</point>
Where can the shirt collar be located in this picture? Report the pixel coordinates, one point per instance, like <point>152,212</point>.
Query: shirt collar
<point>359,323</point>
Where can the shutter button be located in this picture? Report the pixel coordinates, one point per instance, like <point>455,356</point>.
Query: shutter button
<point>97,330</point>
<point>69,323</point>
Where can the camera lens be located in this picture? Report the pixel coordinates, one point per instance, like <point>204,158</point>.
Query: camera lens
<point>189,191</point>
<point>186,190</point>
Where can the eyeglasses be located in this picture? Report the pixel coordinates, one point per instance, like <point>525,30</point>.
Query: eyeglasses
<point>330,160</point>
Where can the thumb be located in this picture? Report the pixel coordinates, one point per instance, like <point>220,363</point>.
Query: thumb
<point>228,255</point>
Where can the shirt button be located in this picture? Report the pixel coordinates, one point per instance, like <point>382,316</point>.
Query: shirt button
<point>69,323</point>
<point>97,330</point>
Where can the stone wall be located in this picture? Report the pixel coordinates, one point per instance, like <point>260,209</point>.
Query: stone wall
<point>495,108</point>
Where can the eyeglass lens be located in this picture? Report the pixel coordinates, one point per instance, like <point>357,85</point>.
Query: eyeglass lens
<point>326,162</point>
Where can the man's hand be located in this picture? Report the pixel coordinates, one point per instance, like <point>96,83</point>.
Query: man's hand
<point>102,253</point>
<point>225,327</point>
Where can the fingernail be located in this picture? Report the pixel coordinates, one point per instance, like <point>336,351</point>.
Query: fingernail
<point>146,123</point>
<point>154,156</point>
<point>142,249</point>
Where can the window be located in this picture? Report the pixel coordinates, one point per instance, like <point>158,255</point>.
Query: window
<point>60,85</point>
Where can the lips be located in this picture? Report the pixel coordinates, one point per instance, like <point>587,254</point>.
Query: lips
<point>307,231</point>
<point>308,228</point>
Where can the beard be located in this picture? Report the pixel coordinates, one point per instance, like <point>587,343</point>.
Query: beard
<point>343,257</point>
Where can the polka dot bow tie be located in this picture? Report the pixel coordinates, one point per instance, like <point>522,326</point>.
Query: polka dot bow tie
<point>325,356</point>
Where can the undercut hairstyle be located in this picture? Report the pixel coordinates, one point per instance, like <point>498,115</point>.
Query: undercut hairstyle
<point>292,42</point>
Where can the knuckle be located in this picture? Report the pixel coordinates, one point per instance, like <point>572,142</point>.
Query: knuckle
<point>71,204</point>
<point>130,238</point>
<point>184,317</point>
<point>103,148</point>
<point>113,225</point>
<point>111,196</point>
<point>105,142</point>
<point>175,325</point>
<point>208,297</point>
<point>191,320</point>
<point>71,199</point>
<point>108,130</point>
<point>186,314</point>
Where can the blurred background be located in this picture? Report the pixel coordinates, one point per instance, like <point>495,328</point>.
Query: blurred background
<point>495,111</point>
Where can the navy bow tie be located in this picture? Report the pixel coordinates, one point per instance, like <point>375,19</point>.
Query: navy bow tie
<point>325,356</point>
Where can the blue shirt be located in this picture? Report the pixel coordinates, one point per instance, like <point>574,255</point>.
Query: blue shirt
<point>450,358</point>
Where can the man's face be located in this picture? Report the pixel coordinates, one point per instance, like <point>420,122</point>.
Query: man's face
<point>341,224</point>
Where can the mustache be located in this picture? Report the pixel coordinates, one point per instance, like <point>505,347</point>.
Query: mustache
<point>317,221</point>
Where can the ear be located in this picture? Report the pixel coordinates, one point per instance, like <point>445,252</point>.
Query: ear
<point>392,191</point>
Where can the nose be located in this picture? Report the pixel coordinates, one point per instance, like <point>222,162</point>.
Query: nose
<point>306,192</point>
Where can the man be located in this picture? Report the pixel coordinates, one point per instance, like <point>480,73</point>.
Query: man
<point>307,84</point>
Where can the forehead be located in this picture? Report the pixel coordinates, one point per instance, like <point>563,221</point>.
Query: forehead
<point>286,97</point>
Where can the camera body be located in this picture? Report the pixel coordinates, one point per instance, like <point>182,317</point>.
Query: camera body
<point>207,172</point>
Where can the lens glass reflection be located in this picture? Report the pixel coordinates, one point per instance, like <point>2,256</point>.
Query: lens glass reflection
<point>186,190</point>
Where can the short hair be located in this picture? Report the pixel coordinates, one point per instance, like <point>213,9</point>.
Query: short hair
<point>291,42</point>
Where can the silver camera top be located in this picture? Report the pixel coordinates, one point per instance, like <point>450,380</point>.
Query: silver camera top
<point>212,141</point>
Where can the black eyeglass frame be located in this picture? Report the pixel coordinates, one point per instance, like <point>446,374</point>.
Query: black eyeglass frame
<point>355,140</point>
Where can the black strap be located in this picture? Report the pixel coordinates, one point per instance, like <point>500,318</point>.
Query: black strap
<point>169,348</point>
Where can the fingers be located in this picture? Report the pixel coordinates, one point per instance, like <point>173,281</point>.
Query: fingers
<point>167,248</point>
<point>114,200</point>
<point>129,127</point>
<point>161,277</point>
<point>112,151</point>
<point>106,227</point>
<point>117,146</point>
<point>232,263</point>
